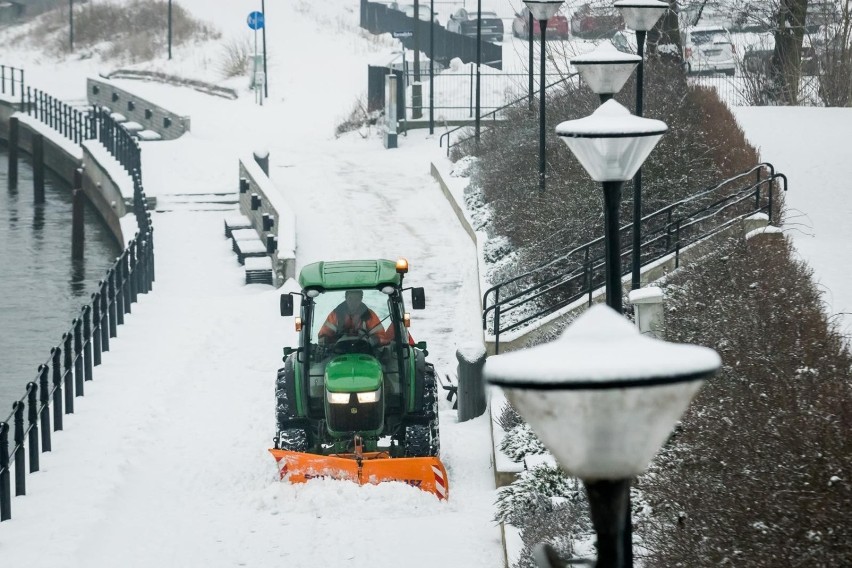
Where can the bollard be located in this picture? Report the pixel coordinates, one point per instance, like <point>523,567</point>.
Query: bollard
<point>96,329</point>
<point>648,311</point>
<point>20,455</point>
<point>68,373</point>
<point>77,325</point>
<point>134,273</point>
<point>5,487</point>
<point>38,167</point>
<point>77,224</point>
<point>417,100</point>
<point>116,309</point>
<point>32,425</point>
<point>14,125</point>
<point>125,281</point>
<point>390,111</point>
<point>55,353</point>
<point>44,400</point>
<point>471,390</point>
<point>261,156</point>
<point>106,317</point>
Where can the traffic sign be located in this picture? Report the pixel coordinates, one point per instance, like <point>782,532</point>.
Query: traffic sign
<point>255,20</point>
<point>398,35</point>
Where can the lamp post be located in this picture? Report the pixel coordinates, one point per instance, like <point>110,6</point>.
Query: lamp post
<point>640,16</point>
<point>605,69</point>
<point>542,10</point>
<point>431,66</point>
<point>170,30</point>
<point>71,24</point>
<point>476,128</point>
<point>531,25</point>
<point>611,145</point>
<point>618,393</point>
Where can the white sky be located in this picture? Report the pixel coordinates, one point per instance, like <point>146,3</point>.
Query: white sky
<point>165,463</point>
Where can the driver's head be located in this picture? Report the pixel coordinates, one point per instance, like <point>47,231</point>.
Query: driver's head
<point>353,300</point>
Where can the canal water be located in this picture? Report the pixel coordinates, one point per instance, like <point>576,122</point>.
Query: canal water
<point>41,288</point>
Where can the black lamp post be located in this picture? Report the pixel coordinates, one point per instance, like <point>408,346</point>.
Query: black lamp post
<point>618,393</point>
<point>640,16</point>
<point>431,66</point>
<point>531,63</point>
<point>542,10</point>
<point>611,144</point>
<point>71,24</point>
<point>170,29</point>
<point>478,63</point>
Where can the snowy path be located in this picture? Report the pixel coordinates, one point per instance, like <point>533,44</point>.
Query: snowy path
<point>818,208</point>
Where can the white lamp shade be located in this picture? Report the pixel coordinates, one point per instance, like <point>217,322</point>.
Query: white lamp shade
<point>605,69</point>
<point>603,398</point>
<point>611,143</point>
<point>543,9</point>
<point>641,15</point>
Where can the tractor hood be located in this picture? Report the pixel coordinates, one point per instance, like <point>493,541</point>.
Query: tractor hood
<point>353,373</point>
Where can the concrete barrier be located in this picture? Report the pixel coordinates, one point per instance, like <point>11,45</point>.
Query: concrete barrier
<point>270,215</point>
<point>152,117</point>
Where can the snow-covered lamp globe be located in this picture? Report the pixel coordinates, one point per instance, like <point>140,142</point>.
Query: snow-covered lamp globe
<point>543,9</point>
<point>603,399</point>
<point>641,15</point>
<point>605,69</point>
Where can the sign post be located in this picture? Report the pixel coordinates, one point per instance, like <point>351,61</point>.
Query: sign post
<point>256,22</point>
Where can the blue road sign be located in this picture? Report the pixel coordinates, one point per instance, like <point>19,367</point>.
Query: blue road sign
<point>255,20</point>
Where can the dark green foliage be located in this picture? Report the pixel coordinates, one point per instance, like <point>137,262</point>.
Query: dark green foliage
<point>760,471</point>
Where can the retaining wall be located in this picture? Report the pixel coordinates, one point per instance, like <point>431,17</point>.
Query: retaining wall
<point>259,197</point>
<point>167,124</point>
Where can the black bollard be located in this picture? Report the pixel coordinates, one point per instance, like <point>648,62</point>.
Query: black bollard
<point>32,425</point>
<point>68,372</point>
<point>14,128</point>
<point>20,453</point>
<point>87,342</point>
<point>55,354</point>
<point>96,329</point>
<point>471,389</point>
<point>38,167</point>
<point>77,225</point>
<point>5,487</point>
<point>44,399</point>
<point>78,356</point>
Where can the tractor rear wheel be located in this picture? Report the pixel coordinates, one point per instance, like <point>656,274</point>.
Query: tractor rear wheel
<point>285,405</point>
<point>431,408</point>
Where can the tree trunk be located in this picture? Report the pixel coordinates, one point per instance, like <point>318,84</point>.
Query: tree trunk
<point>785,69</point>
<point>666,31</point>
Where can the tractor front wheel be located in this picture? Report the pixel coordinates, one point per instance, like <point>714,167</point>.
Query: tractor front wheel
<point>293,439</point>
<point>417,442</point>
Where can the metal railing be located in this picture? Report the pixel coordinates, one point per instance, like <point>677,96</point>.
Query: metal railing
<point>494,115</point>
<point>58,115</point>
<point>526,298</point>
<point>63,376</point>
<point>12,81</point>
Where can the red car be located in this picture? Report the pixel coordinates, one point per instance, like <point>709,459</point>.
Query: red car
<point>557,26</point>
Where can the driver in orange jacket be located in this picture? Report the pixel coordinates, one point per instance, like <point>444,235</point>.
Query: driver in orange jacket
<point>352,318</point>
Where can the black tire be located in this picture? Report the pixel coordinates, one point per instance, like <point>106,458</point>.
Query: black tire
<point>431,408</point>
<point>285,396</point>
<point>293,439</point>
<point>418,441</point>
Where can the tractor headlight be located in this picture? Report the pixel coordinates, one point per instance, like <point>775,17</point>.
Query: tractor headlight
<point>366,397</point>
<point>338,397</point>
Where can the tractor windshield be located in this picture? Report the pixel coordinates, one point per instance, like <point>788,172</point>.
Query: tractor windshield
<point>363,314</point>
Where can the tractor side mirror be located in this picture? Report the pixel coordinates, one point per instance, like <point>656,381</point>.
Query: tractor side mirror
<point>418,298</point>
<point>288,351</point>
<point>286,305</point>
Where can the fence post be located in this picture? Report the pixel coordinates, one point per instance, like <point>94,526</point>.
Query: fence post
<point>105,325</point>
<point>96,329</point>
<point>14,125</point>
<point>87,342</point>
<point>77,323</point>
<point>55,353</point>
<point>5,487</point>
<point>68,373</point>
<point>134,272</point>
<point>32,424</point>
<point>44,408</point>
<point>471,391</point>
<point>20,453</point>
<point>116,310</point>
<point>125,280</point>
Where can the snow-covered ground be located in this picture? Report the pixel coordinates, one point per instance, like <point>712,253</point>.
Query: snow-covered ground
<point>810,146</point>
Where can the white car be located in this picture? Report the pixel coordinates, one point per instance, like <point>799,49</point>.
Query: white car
<point>708,49</point>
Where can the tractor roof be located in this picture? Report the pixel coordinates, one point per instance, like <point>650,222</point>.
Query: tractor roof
<point>341,274</point>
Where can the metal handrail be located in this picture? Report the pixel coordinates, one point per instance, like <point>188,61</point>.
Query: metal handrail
<point>493,113</point>
<point>63,376</point>
<point>582,264</point>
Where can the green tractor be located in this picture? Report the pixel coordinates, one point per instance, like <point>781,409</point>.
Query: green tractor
<point>356,399</point>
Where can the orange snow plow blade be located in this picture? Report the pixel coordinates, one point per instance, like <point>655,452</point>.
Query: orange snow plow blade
<point>425,473</point>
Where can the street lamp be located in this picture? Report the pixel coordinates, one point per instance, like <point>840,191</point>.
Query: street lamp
<point>542,10</point>
<point>611,144</point>
<point>603,399</point>
<point>605,70</point>
<point>640,16</point>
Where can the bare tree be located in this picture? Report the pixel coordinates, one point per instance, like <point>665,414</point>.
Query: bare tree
<point>785,69</point>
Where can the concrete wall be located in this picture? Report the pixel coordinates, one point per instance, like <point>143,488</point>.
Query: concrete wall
<point>96,183</point>
<point>269,201</point>
<point>167,124</point>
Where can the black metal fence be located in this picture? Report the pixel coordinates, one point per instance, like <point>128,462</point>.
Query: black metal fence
<point>521,300</point>
<point>58,115</point>
<point>380,18</point>
<point>71,364</point>
<point>11,81</point>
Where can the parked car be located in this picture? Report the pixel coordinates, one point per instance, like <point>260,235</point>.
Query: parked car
<point>708,49</point>
<point>593,21</point>
<point>408,10</point>
<point>464,23</point>
<point>557,26</point>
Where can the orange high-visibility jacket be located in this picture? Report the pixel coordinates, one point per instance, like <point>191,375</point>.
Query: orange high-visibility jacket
<point>340,322</point>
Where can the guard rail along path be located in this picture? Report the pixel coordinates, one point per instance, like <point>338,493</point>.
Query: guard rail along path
<point>525,300</point>
<point>71,363</point>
